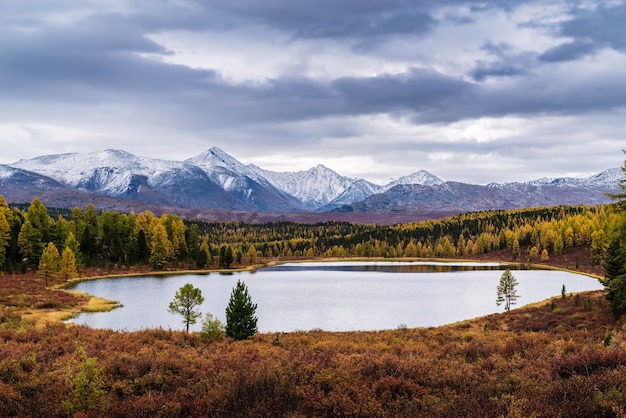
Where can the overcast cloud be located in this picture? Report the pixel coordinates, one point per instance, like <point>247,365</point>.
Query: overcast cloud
<point>471,91</point>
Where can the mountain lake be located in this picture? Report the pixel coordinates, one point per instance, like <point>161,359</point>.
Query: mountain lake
<point>333,296</point>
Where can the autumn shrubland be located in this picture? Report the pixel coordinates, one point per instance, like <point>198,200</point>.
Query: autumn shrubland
<point>564,357</point>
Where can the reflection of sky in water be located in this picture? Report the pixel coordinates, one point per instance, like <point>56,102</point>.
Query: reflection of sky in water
<point>316,295</point>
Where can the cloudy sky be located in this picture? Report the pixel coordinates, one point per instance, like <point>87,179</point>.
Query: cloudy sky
<point>473,91</point>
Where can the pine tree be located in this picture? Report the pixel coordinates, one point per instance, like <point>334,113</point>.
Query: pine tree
<point>240,319</point>
<point>614,261</point>
<point>507,290</point>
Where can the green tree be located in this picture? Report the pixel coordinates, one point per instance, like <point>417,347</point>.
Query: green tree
<point>226,256</point>
<point>185,301</point>
<point>49,262</point>
<point>212,329</point>
<point>614,260</point>
<point>143,251</point>
<point>240,319</point>
<point>615,277</point>
<point>72,243</point>
<point>38,217</point>
<point>507,290</point>
<point>30,242</point>
<point>5,235</point>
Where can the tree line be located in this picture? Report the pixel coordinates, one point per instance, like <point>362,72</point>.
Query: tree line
<point>59,245</point>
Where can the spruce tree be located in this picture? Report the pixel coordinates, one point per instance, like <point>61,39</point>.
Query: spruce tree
<point>614,261</point>
<point>240,319</point>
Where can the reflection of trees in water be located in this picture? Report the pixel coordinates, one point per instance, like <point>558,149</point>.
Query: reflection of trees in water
<point>394,268</point>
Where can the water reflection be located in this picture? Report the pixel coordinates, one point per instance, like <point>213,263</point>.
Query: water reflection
<point>393,267</point>
<point>335,296</point>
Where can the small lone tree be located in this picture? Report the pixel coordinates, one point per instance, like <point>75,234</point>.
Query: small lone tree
<point>185,300</point>
<point>507,290</point>
<point>240,318</point>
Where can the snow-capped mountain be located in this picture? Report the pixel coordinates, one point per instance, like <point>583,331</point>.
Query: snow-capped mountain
<point>422,177</point>
<point>315,187</point>
<point>455,197</point>
<point>123,175</point>
<point>215,180</point>
<point>244,182</point>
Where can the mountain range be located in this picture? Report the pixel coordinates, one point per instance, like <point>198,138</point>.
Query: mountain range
<point>214,180</point>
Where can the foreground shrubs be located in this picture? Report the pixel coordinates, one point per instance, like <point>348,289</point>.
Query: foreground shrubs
<point>469,369</point>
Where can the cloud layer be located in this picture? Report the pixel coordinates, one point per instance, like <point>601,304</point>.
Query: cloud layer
<point>471,91</point>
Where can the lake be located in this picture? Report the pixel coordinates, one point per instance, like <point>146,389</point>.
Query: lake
<point>334,296</point>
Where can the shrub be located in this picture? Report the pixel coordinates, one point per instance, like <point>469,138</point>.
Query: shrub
<point>212,329</point>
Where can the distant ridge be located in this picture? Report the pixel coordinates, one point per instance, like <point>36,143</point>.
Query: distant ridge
<point>214,180</point>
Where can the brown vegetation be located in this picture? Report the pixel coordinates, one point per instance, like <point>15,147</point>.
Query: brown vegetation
<point>565,358</point>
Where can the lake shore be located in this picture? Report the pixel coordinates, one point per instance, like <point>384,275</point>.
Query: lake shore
<point>49,311</point>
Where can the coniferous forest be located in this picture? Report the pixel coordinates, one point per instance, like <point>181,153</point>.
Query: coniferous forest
<point>565,357</point>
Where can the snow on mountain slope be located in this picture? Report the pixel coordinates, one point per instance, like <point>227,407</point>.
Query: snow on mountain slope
<point>215,180</point>
<point>110,172</point>
<point>422,177</point>
<point>315,187</point>
<point>608,180</point>
<point>224,169</point>
<point>244,181</point>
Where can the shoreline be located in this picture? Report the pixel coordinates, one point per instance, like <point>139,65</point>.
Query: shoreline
<point>96,304</point>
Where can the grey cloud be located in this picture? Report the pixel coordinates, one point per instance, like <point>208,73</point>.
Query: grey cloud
<point>414,91</point>
<point>604,26</point>
<point>498,69</point>
<point>567,51</point>
<point>107,60</point>
<point>331,19</point>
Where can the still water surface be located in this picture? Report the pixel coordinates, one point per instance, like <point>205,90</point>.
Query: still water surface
<point>334,296</point>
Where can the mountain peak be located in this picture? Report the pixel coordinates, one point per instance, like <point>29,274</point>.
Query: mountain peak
<point>215,157</point>
<point>422,177</point>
